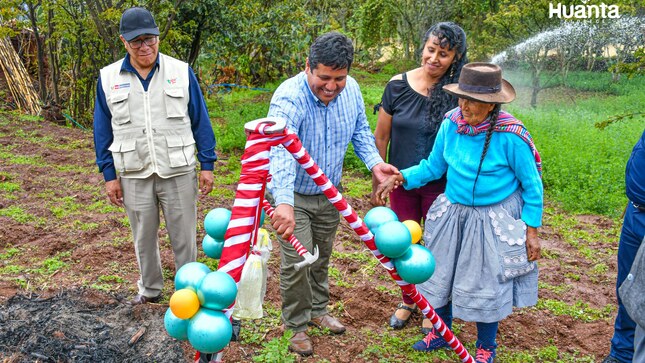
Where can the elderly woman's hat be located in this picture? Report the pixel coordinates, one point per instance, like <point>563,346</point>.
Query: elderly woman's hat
<point>482,82</point>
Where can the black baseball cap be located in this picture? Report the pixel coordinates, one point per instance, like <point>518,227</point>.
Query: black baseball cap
<point>137,21</point>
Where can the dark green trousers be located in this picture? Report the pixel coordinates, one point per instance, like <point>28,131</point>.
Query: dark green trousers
<point>305,293</point>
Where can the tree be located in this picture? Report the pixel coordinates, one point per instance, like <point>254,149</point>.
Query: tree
<point>33,13</point>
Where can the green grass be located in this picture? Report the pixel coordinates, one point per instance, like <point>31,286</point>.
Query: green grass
<point>107,283</point>
<point>9,253</point>
<point>65,206</point>
<point>584,166</point>
<point>232,111</point>
<point>12,158</point>
<point>276,350</point>
<point>339,278</point>
<point>9,187</point>
<point>21,216</point>
<point>579,310</point>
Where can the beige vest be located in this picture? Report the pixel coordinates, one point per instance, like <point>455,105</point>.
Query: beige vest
<point>152,132</point>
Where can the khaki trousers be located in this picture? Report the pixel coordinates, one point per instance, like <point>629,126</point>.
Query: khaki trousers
<point>177,198</point>
<point>305,293</point>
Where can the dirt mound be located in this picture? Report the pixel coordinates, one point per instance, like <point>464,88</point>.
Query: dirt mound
<point>83,326</point>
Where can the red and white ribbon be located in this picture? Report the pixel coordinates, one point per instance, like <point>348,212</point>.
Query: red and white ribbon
<point>247,208</point>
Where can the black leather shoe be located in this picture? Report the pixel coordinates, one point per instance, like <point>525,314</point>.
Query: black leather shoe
<point>397,323</point>
<point>142,299</point>
<point>237,325</point>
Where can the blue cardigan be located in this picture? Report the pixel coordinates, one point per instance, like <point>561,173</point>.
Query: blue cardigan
<point>509,164</point>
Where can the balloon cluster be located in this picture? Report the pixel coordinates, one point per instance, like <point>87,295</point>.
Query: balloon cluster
<point>397,240</point>
<point>215,225</point>
<point>195,312</point>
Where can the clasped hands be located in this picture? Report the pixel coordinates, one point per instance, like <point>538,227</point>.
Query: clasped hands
<point>384,179</point>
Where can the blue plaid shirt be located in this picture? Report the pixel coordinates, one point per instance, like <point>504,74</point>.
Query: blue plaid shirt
<point>325,132</point>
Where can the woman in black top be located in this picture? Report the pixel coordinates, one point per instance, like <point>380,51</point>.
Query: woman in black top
<point>413,107</point>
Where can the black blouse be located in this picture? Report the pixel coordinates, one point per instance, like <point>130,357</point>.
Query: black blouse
<point>411,138</point>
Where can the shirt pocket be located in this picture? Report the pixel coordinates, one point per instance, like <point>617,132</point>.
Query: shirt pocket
<point>126,156</point>
<point>175,102</point>
<point>510,236</point>
<point>181,150</point>
<point>120,107</point>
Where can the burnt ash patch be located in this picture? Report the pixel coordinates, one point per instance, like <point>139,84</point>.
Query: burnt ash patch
<point>83,326</point>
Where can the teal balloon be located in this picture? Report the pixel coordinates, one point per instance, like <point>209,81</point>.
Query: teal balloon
<point>393,239</point>
<point>262,217</point>
<point>217,291</point>
<point>416,265</point>
<point>190,275</point>
<point>209,331</point>
<point>216,223</point>
<point>176,328</point>
<point>212,248</point>
<point>378,216</point>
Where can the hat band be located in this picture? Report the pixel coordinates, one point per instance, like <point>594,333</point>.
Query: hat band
<point>480,89</point>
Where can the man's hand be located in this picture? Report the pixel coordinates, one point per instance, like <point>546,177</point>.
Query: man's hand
<point>382,171</point>
<point>532,244</point>
<point>205,181</point>
<point>114,192</point>
<point>283,220</point>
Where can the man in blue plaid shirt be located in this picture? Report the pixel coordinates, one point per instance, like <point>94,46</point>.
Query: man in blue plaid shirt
<point>323,105</point>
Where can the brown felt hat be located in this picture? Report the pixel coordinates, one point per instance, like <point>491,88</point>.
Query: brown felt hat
<point>482,82</point>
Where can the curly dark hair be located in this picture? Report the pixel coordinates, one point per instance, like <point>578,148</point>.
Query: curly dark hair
<point>333,50</point>
<point>453,36</point>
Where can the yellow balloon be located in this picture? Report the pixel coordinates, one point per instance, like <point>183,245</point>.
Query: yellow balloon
<point>415,230</point>
<point>184,303</point>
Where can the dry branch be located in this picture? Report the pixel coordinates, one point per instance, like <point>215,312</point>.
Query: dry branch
<point>18,80</point>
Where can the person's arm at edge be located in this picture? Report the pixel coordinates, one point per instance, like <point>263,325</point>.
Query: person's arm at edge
<point>203,134</point>
<point>103,138</point>
<point>522,161</point>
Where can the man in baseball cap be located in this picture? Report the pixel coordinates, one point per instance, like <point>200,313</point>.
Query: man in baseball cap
<point>151,128</point>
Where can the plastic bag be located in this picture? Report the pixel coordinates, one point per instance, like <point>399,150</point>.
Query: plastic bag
<point>252,287</point>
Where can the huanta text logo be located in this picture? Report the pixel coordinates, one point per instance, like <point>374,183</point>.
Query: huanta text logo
<point>584,11</point>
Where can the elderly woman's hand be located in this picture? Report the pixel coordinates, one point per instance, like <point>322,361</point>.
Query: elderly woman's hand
<point>386,187</point>
<point>532,244</point>
<point>374,200</point>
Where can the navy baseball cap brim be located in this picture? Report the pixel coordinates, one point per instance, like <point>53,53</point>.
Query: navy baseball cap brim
<point>137,21</point>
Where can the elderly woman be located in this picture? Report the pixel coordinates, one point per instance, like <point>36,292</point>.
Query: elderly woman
<point>483,230</point>
<point>413,106</point>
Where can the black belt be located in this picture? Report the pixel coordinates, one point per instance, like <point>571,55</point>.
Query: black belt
<point>639,206</point>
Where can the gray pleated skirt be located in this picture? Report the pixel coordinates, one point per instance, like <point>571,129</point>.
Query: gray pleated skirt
<point>481,260</point>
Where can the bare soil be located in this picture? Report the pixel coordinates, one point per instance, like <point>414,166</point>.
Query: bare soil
<point>73,313</point>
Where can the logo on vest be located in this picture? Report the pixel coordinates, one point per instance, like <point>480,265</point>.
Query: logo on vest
<point>172,80</point>
<point>120,86</point>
